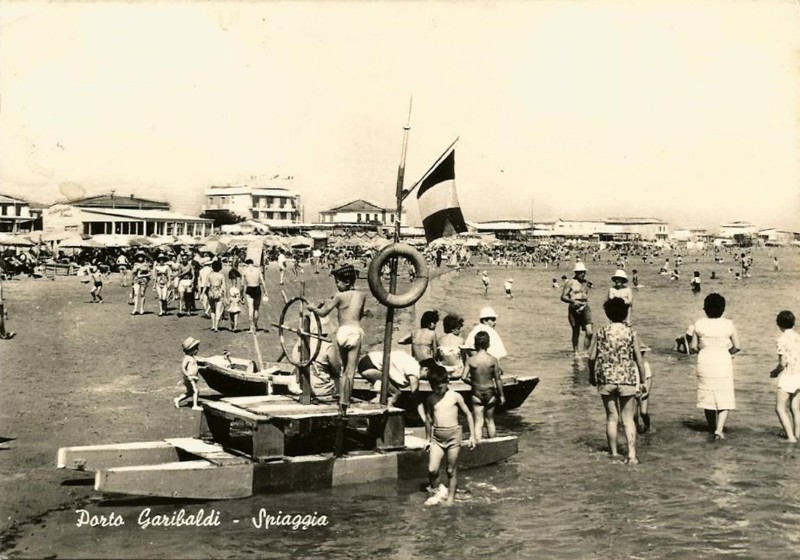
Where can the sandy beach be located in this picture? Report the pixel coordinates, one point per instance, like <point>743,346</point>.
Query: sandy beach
<point>79,374</point>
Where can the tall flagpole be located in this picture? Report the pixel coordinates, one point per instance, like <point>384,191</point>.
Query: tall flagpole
<point>389,326</point>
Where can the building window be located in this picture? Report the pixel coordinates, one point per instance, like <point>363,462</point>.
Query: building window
<point>358,217</point>
<point>269,201</point>
<point>179,228</point>
<point>391,217</point>
<point>4,210</point>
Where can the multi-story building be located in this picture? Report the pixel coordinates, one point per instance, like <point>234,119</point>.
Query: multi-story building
<point>359,212</point>
<point>272,206</point>
<point>15,215</point>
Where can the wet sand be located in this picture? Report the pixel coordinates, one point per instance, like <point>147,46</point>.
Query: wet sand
<point>79,373</point>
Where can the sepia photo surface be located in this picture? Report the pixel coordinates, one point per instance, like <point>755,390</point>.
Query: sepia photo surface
<point>196,167</point>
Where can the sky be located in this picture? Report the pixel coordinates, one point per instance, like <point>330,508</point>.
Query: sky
<point>686,111</point>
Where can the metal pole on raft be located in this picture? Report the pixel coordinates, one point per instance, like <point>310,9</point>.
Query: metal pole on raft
<point>389,327</point>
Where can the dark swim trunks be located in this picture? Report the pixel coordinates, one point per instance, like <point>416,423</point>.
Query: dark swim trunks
<point>446,438</point>
<point>254,292</point>
<point>484,395</point>
<point>580,318</point>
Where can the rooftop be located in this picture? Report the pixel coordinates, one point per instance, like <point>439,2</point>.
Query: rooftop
<point>113,201</point>
<point>5,199</point>
<point>158,215</point>
<point>359,205</point>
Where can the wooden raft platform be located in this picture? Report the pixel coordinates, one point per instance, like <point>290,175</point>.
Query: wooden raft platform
<point>261,427</point>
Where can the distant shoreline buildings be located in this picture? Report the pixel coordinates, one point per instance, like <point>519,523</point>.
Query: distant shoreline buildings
<point>280,209</point>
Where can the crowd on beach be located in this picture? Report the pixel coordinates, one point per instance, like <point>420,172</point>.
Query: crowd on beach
<point>224,285</point>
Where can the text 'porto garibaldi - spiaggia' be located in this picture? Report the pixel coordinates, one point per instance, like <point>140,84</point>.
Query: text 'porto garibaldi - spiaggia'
<point>202,518</point>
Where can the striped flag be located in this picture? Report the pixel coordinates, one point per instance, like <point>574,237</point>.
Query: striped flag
<point>438,201</point>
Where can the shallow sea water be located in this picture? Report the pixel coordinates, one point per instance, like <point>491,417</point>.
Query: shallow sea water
<point>561,497</point>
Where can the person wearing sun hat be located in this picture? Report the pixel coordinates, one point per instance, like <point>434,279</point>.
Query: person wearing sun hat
<point>576,294</point>
<point>488,321</point>
<point>189,370</point>
<point>622,290</point>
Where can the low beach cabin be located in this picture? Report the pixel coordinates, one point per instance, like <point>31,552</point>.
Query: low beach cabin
<point>121,216</point>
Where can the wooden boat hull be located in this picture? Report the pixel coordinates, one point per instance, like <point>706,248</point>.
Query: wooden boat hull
<point>515,389</point>
<point>195,469</point>
<point>236,377</point>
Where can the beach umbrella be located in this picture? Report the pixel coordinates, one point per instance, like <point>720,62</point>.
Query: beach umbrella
<point>80,243</point>
<point>188,240</point>
<point>139,241</point>
<point>300,242</point>
<point>215,247</point>
<point>15,240</point>
<point>111,240</point>
<point>274,241</point>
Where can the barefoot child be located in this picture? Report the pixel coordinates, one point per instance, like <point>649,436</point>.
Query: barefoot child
<point>234,307</point>
<point>423,340</point>
<point>349,305</point>
<point>615,367</point>
<point>643,399</point>
<point>189,370</point>
<point>443,432</point>
<point>788,369</point>
<point>96,277</point>
<point>483,373</point>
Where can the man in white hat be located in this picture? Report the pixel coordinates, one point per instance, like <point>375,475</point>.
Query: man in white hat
<point>488,321</point>
<point>621,290</point>
<point>576,294</point>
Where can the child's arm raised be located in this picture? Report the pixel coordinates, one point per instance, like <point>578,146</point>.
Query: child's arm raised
<point>325,308</point>
<point>470,421</point>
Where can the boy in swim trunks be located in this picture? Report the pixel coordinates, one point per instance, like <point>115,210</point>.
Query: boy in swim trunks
<point>443,432</point>
<point>423,340</point>
<point>483,373</point>
<point>349,305</point>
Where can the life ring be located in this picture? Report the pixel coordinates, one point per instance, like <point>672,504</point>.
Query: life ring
<point>282,326</point>
<point>419,285</point>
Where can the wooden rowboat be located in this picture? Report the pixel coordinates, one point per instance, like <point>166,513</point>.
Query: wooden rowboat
<point>237,377</point>
<point>515,390</point>
<point>228,466</point>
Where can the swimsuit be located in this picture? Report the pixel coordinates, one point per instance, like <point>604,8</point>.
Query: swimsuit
<point>349,336</point>
<point>446,438</point>
<point>485,395</point>
<point>253,292</point>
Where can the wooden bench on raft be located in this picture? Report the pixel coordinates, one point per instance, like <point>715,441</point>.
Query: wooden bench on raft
<point>269,421</point>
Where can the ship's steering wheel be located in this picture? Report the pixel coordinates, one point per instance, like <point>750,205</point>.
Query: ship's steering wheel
<point>283,327</point>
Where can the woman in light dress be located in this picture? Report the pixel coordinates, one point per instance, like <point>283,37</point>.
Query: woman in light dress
<point>716,340</point>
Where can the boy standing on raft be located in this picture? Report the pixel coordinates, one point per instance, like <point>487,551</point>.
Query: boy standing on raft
<point>349,305</point>
<point>443,432</point>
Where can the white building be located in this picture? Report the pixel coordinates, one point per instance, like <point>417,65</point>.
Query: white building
<point>646,229</point>
<point>272,206</point>
<point>737,228</point>
<point>359,212</point>
<point>15,215</point>
<point>773,236</point>
<point>121,215</point>
<point>578,228</point>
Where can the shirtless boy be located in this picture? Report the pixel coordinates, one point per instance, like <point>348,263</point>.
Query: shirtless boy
<point>443,432</point>
<point>255,290</point>
<point>423,340</point>
<point>576,294</point>
<point>483,373</point>
<point>349,305</point>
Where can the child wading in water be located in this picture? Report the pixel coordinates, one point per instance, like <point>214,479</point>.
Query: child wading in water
<point>189,371</point>
<point>788,369</point>
<point>443,432</point>
<point>349,305</point>
<point>616,368</point>
<point>643,399</point>
<point>483,373</point>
